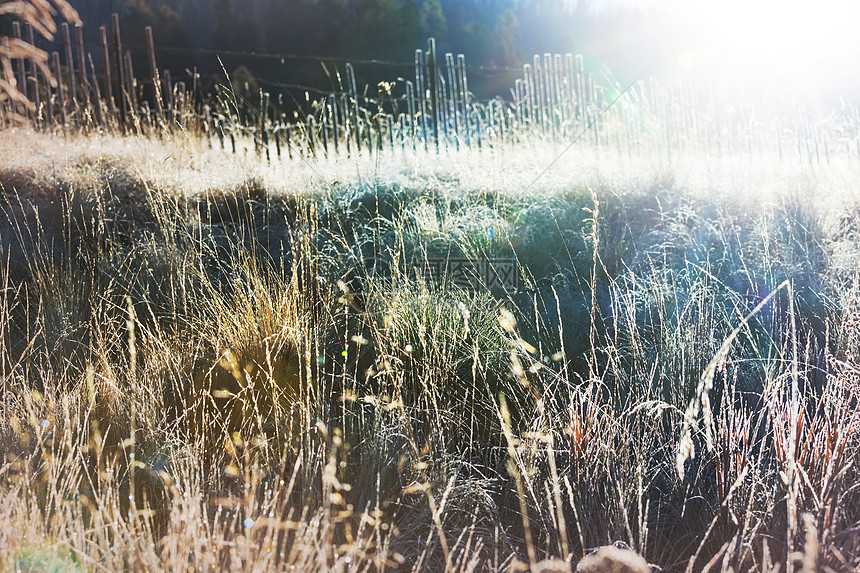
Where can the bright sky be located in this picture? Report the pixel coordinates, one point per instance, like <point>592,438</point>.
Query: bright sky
<point>806,44</point>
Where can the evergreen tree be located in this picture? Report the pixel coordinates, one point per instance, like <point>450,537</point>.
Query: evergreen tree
<point>166,24</point>
<point>232,32</point>
<point>375,22</point>
<point>433,21</point>
<point>507,40</point>
<point>408,26</point>
<point>476,41</point>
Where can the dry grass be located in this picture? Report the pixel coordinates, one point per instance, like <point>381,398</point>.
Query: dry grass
<point>211,362</point>
<point>41,16</point>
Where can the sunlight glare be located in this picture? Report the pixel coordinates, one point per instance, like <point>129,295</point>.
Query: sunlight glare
<point>782,40</point>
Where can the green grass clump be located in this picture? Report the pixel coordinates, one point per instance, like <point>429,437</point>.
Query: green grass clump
<point>242,376</point>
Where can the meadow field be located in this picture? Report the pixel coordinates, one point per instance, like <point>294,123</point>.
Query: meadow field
<point>211,361</point>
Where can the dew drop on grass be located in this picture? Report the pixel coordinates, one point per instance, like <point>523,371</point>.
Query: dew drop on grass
<point>248,523</point>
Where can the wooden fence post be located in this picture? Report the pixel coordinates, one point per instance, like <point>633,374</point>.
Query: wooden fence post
<point>343,110</point>
<point>70,70</point>
<point>100,112</point>
<point>410,111</point>
<point>21,80</point>
<point>82,68</point>
<point>168,97</point>
<point>120,72</point>
<point>310,130</point>
<point>390,127</point>
<point>421,93</point>
<point>592,99</point>
<point>443,110</point>
<point>453,98</point>
<point>368,131</point>
<point>569,89</point>
<point>61,99</point>
<point>131,92</point>
<point>34,77</point>
<point>49,102</point>
<point>547,89</point>
<point>540,92</point>
<point>530,103</point>
<point>581,96</point>
<point>146,114</point>
<point>557,93</point>
<point>153,72</point>
<point>464,88</point>
<point>264,114</point>
<point>518,101</point>
<point>354,91</point>
<point>108,83</point>
<point>82,58</point>
<point>324,133</point>
<point>179,104</point>
<point>433,85</point>
<point>195,79</point>
<point>332,110</point>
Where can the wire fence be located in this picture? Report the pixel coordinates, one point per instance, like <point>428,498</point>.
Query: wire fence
<point>555,99</point>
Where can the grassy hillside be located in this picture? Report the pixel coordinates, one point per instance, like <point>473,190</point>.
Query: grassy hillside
<point>213,362</point>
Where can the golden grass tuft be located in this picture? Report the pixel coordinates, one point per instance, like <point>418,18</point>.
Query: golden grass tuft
<point>218,363</point>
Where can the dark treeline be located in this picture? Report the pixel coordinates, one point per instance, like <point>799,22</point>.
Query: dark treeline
<point>285,46</point>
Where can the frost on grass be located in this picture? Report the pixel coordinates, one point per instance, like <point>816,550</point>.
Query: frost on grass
<point>212,361</point>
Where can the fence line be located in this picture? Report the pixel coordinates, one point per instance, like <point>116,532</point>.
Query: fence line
<point>136,48</point>
<point>554,100</point>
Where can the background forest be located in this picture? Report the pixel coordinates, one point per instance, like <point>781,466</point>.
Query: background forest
<point>288,47</point>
